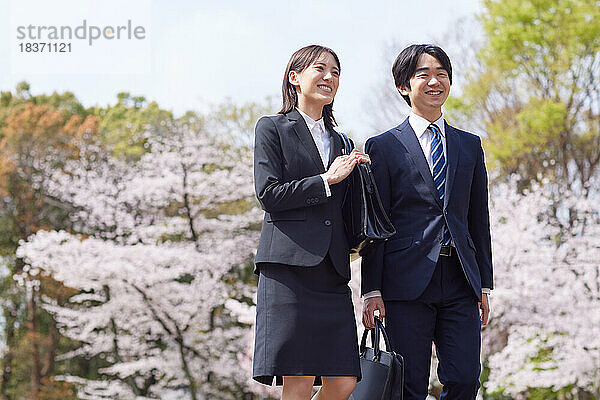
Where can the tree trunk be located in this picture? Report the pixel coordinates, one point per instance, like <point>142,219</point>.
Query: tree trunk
<point>188,207</point>
<point>435,391</point>
<point>9,318</point>
<point>186,368</point>
<point>36,375</point>
<point>113,327</point>
<point>53,346</point>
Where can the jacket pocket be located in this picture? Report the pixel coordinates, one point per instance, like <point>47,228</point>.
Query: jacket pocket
<point>398,244</point>
<point>288,215</point>
<point>471,244</point>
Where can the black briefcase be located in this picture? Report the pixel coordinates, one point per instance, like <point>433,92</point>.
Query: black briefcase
<point>382,371</point>
<point>364,217</point>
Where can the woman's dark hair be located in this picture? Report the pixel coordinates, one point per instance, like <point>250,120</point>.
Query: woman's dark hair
<point>406,63</point>
<point>299,61</point>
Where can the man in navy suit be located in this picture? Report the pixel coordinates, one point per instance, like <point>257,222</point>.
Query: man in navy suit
<point>432,279</point>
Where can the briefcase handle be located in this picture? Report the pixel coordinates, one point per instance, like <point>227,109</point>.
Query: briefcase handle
<point>368,176</point>
<point>379,328</point>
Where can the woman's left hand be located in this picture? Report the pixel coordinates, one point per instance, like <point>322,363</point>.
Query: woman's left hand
<point>361,157</point>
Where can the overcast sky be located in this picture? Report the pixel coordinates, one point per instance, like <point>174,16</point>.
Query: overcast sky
<point>197,53</point>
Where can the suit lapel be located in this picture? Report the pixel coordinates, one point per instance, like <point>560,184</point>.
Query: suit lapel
<point>305,138</point>
<point>335,147</point>
<point>406,135</point>
<point>453,154</point>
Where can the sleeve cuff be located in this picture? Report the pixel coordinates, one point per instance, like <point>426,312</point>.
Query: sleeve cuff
<point>327,189</point>
<point>487,291</point>
<point>372,293</point>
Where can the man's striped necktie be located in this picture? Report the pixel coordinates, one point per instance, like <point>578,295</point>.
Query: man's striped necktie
<point>439,171</point>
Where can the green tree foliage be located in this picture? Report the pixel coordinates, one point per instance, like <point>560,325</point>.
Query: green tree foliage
<point>236,121</point>
<point>32,128</point>
<point>122,124</point>
<point>535,89</point>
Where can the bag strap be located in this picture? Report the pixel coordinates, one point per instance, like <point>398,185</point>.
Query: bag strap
<point>347,144</point>
<point>386,340</point>
<point>347,150</point>
<point>363,341</point>
<point>375,340</point>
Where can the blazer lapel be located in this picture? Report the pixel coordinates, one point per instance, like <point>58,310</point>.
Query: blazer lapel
<point>406,135</point>
<point>305,138</point>
<point>335,146</point>
<point>453,154</point>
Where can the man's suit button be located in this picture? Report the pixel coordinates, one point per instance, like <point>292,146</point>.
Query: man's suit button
<point>327,222</point>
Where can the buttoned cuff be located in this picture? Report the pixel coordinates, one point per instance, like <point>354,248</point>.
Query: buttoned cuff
<point>372,293</point>
<point>487,291</point>
<point>327,189</point>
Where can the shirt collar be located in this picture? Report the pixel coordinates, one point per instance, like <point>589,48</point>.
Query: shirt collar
<point>420,124</point>
<point>311,122</point>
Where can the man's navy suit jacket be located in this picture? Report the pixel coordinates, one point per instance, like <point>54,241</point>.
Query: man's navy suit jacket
<point>402,267</point>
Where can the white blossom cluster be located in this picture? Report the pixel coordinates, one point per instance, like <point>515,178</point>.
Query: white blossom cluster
<point>545,325</point>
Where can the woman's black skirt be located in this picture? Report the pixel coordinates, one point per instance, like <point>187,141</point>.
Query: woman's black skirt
<point>304,324</point>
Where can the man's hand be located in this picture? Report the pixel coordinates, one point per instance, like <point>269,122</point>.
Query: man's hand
<point>368,315</point>
<point>484,309</point>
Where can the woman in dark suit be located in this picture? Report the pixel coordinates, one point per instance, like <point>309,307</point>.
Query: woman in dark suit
<point>305,327</point>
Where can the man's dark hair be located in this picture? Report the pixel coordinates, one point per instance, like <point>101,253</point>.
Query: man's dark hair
<point>406,63</point>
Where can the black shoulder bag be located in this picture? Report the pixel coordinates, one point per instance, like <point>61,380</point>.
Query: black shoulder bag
<point>365,219</point>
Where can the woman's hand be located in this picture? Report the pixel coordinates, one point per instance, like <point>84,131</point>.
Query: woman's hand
<point>340,168</point>
<point>362,157</point>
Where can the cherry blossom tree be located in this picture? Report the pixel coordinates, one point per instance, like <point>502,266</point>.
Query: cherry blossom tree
<point>545,329</point>
<point>159,263</point>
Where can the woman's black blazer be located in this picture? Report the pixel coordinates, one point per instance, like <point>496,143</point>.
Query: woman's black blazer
<point>301,224</point>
